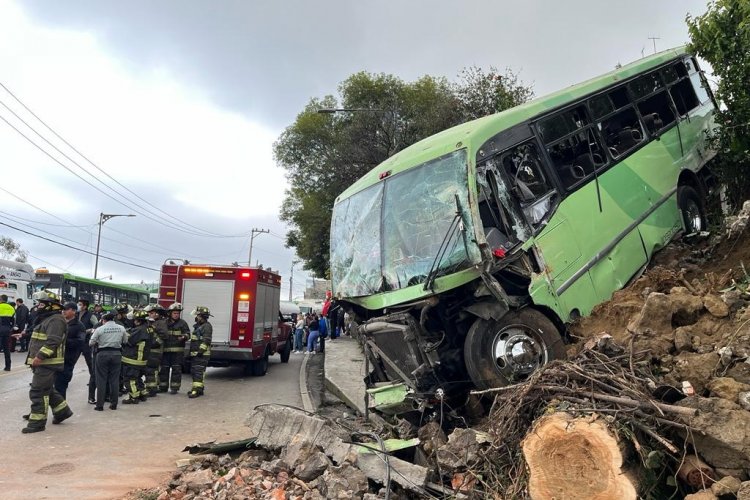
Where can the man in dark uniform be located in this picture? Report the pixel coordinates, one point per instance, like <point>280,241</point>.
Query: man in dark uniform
<point>200,349</point>
<point>121,318</point>
<point>46,358</point>
<point>22,324</point>
<point>6,326</point>
<point>134,357</point>
<point>73,347</point>
<point>89,321</point>
<point>157,329</point>
<point>174,350</point>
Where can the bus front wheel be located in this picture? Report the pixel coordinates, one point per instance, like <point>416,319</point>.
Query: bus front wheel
<point>692,210</point>
<point>498,353</point>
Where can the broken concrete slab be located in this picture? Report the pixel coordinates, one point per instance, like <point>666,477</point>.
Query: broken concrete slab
<point>462,449</point>
<point>275,427</point>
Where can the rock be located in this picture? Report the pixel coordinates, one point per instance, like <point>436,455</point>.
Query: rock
<point>733,299</point>
<point>274,466</point>
<point>744,492</point>
<point>696,368</point>
<point>683,339</point>
<point>653,323</point>
<point>738,473</point>
<point>297,451</point>
<point>163,496</point>
<point>462,449</point>
<point>686,307</point>
<point>198,480</point>
<point>343,482</point>
<point>715,306</point>
<point>722,434</point>
<point>184,462</point>
<point>727,388</point>
<point>702,495</point>
<point>282,477</point>
<point>312,467</point>
<point>726,486</point>
<point>253,457</point>
<point>431,437</point>
<point>740,372</point>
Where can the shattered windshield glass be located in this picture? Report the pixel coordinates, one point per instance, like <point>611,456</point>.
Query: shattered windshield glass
<point>418,209</point>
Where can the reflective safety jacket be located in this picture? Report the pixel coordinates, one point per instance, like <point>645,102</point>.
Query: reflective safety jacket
<point>177,335</point>
<point>159,333</point>
<point>135,350</point>
<point>200,339</point>
<point>48,341</point>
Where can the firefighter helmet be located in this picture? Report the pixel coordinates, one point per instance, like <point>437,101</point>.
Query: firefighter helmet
<point>175,307</point>
<point>140,314</point>
<point>122,308</point>
<point>46,296</point>
<point>201,311</point>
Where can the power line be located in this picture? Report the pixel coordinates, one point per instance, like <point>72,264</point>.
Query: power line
<point>77,249</point>
<point>208,233</point>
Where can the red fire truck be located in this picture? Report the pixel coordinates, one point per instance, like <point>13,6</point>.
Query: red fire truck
<point>244,302</point>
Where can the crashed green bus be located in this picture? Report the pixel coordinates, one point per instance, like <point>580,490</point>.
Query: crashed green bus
<point>464,255</point>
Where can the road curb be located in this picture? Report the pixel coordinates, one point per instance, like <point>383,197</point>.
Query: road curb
<point>307,403</point>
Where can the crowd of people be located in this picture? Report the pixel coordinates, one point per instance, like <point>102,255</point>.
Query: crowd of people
<point>312,329</point>
<point>136,353</point>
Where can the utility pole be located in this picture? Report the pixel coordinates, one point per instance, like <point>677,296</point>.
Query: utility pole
<point>252,237</point>
<point>654,39</point>
<point>102,219</point>
<point>291,278</point>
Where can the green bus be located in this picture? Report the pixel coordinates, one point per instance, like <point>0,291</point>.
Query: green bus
<point>72,288</point>
<point>465,254</point>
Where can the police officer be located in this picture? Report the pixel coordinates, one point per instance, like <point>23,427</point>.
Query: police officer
<point>174,350</point>
<point>157,331</point>
<point>46,357</point>
<point>200,349</point>
<point>134,357</point>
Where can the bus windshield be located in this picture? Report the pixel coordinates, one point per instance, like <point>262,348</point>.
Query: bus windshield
<point>389,236</point>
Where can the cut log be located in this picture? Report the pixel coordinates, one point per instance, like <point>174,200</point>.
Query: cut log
<point>575,458</point>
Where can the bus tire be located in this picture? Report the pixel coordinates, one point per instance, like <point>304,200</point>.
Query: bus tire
<point>509,350</point>
<point>260,365</point>
<point>286,352</point>
<point>692,210</point>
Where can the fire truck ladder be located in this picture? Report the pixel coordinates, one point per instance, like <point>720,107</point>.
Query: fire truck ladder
<point>167,284</point>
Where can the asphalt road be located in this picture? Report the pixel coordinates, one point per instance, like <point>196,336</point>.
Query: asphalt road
<point>105,454</point>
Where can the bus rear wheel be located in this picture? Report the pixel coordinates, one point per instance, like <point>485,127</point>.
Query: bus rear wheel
<point>498,353</point>
<point>692,210</point>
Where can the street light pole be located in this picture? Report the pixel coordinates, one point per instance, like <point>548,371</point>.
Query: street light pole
<point>252,237</point>
<point>102,219</point>
<point>291,278</point>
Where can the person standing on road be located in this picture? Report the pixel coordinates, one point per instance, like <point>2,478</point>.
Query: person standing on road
<point>135,353</point>
<point>170,375</point>
<point>73,346</point>
<point>6,326</point>
<point>157,331</point>
<point>200,349</point>
<point>22,324</point>
<point>108,339</point>
<point>312,337</point>
<point>89,321</point>
<point>46,358</point>
<point>299,331</point>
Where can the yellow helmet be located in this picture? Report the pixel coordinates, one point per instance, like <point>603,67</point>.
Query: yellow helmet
<point>46,296</point>
<point>140,314</point>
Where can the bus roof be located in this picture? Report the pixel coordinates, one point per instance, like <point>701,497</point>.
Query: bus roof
<point>473,134</point>
<point>105,283</point>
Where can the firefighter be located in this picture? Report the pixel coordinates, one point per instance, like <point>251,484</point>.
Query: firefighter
<point>135,354</point>
<point>200,349</point>
<point>157,330</point>
<point>174,350</point>
<point>124,315</point>
<point>46,357</point>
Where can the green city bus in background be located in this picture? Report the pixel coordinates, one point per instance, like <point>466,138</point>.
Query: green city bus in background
<point>72,288</point>
<point>464,255</point>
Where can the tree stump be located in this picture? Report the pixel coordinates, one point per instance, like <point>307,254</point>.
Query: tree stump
<point>575,458</point>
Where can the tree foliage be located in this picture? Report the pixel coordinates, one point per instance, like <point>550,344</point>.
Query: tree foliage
<point>721,36</point>
<point>10,249</point>
<point>323,154</point>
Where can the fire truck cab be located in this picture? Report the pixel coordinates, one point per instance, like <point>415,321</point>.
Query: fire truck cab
<point>244,303</point>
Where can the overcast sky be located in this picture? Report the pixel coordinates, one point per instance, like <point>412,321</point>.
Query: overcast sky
<point>180,101</point>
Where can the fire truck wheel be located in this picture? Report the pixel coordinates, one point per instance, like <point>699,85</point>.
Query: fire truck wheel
<point>260,366</point>
<point>286,352</point>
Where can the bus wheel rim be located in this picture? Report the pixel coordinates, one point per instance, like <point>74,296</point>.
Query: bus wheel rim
<point>693,217</point>
<point>518,351</point>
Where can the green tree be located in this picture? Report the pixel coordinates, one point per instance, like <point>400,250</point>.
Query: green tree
<point>10,249</point>
<point>323,154</point>
<point>721,36</point>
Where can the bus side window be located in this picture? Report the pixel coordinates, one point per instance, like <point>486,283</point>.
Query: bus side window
<point>524,169</point>
<point>622,132</point>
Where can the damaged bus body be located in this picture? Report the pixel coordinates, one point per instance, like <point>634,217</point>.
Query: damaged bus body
<point>464,255</point>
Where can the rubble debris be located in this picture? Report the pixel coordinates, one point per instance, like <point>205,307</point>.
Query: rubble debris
<point>696,473</point>
<point>726,486</point>
<point>218,448</point>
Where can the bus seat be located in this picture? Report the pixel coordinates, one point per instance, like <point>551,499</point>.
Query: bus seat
<point>495,238</point>
<point>627,138</point>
